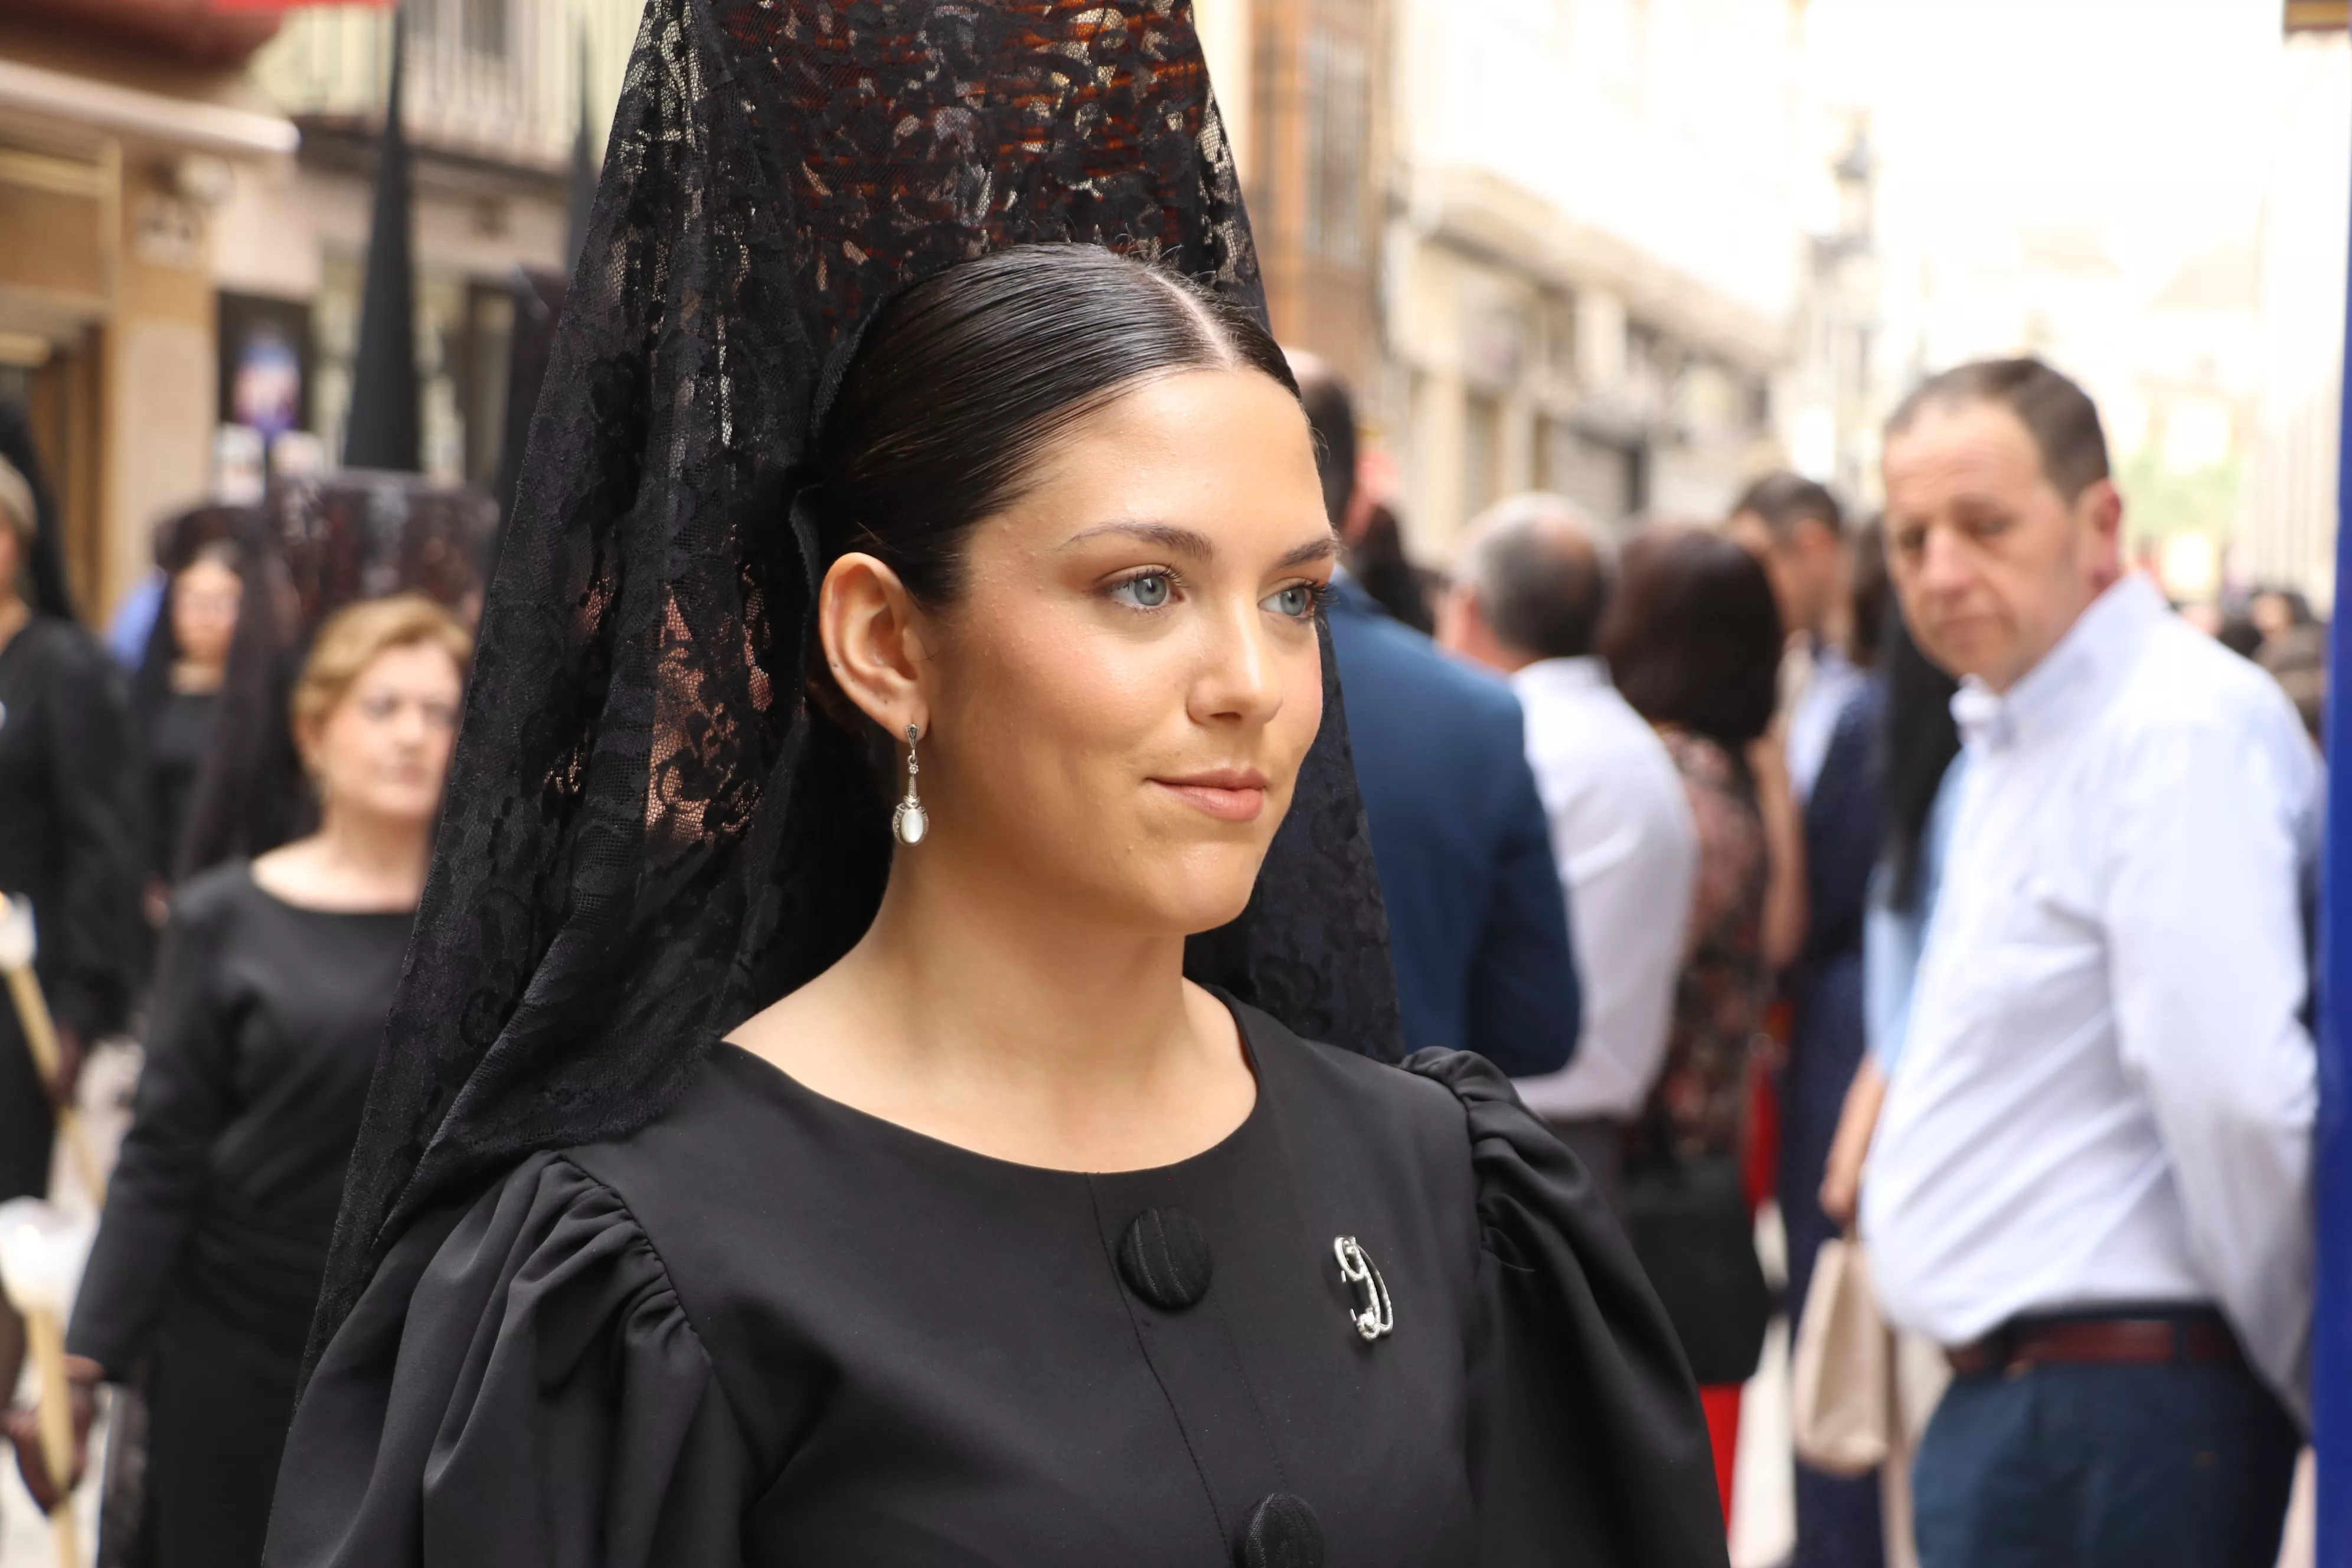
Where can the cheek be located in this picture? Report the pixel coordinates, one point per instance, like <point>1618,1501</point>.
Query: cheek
<point>1053,702</point>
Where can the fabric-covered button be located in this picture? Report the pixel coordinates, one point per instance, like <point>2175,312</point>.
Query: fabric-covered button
<point>1281,1531</point>
<point>1165,1258</point>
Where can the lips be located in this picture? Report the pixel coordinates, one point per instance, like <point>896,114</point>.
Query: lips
<point>1229,794</point>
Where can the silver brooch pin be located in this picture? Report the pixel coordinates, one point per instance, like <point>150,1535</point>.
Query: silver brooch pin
<point>1374,1317</point>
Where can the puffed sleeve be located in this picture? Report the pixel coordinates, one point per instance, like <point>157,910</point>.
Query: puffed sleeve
<point>1587,1441</point>
<point>519,1385</point>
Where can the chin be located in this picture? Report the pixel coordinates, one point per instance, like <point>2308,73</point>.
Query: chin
<point>1193,898</point>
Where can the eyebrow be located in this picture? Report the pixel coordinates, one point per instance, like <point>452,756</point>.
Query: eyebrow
<point>1314,550</point>
<point>1167,535</point>
<point>1186,541</point>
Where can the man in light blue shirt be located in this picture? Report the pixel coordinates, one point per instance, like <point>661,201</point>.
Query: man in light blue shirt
<point>2091,1181</point>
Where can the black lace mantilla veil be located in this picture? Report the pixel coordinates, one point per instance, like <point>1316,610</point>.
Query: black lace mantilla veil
<point>649,836</point>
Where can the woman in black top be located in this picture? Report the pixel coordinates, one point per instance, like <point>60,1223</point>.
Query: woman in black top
<point>765,1173</point>
<point>267,1019</point>
<point>66,839</point>
<point>176,694</point>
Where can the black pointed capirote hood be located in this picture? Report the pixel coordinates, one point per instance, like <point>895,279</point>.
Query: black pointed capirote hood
<point>384,429</point>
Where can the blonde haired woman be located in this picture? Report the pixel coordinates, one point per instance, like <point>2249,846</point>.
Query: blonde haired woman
<point>268,1015</point>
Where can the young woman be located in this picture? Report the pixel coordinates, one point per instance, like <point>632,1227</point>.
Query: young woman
<point>801,1141</point>
<point>1693,640</point>
<point>176,694</point>
<point>267,1019</point>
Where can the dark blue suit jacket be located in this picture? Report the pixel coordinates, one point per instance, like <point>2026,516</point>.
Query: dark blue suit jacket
<point>1476,915</point>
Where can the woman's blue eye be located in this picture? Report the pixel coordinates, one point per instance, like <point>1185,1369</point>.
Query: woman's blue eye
<point>1146,593</point>
<point>1297,600</point>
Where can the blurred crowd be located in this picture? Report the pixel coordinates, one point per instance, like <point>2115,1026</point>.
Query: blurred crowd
<point>1926,878</point>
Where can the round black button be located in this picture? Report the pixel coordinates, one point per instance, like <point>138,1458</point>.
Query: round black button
<point>1281,1531</point>
<point>1165,1258</point>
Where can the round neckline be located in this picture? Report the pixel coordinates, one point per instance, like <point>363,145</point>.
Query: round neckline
<point>937,1148</point>
<point>287,904</point>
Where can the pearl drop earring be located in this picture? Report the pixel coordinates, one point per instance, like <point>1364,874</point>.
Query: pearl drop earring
<point>910,821</point>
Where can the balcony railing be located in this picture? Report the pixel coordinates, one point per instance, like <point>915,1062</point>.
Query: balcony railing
<point>491,79</point>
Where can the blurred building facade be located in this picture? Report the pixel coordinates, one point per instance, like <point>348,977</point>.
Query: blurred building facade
<point>2289,535</point>
<point>1303,88</point>
<point>183,216</point>
<point>1593,253</point>
<point>496,92</point>
<point>124,127</point>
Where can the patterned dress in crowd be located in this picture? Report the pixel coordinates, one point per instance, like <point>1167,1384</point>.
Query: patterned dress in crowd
<point>1700,1103</point>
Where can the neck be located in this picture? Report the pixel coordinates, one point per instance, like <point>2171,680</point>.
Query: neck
<point>1511,660</point>
<point>190,676</point>
<point>1020,985</point>
<point>14,615</point>
<point>381,856</point>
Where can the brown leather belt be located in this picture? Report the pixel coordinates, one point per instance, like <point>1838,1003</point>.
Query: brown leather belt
<point>2042,1342</point>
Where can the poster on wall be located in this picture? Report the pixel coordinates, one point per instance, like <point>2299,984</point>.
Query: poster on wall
<point>265,361</point>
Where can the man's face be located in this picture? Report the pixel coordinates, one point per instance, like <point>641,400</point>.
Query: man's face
<point>1806,565</point>
<point>1993,564</point>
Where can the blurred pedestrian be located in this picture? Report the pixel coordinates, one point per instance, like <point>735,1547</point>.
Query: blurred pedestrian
<point>1693,640</point>
<point>268,1015</point>
<point>1832,586</point>
<point>2294,650</point>
<point>1371,535</point>
<point>68,843</point>
<point>1921,772</point>
<point>1377,560</point>
<point>175,695</point>
<point>2091,1180</point>
<point>1477,921</point>
<point>1528,601</point>
<point>1797,529</point>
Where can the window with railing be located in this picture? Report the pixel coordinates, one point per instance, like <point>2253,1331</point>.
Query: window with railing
<point>480,27</point>
<point>1338,125</point>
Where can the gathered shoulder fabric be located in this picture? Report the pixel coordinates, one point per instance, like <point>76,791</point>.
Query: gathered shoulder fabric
<point>1585,1422</point>
<point>518,1385</point>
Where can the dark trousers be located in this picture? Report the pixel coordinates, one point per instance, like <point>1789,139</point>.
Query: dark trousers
<point>2149,1466</point>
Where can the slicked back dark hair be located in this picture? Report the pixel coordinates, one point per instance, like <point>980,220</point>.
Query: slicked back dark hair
<point>1539,576</point>
<point>2058,414</point>
<point>964,380</point>
<point>1692,634</point>
<point>1783,500</point>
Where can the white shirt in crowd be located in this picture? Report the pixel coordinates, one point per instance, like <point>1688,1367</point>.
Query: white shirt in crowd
<point>1628,855</point>
<point>2108,1091</point>
<point>1828,684</point>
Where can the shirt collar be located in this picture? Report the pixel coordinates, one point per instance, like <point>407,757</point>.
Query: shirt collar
<point>2075,675</point>
<point>1560,675</point>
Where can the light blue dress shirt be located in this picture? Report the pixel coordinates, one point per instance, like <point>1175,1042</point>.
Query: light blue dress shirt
<point>1892,938</point>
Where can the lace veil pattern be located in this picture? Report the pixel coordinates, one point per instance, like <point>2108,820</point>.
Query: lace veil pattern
<point>649,835</point>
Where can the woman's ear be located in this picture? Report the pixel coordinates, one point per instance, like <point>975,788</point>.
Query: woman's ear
<point>865,623</point>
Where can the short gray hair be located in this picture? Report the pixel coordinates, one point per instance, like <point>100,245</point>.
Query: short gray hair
<point>1535,565</point>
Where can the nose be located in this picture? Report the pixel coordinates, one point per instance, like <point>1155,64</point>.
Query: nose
<point>1238,679</point>
<point>1944,567</point>
<point>409,724</point>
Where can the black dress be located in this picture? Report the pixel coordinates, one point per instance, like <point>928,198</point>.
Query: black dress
<point>66,842</point>
<point>179,737</point>
<point>769,1329</point>
<point>264,1030</point>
